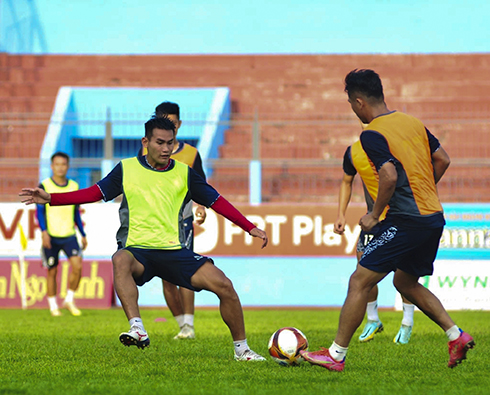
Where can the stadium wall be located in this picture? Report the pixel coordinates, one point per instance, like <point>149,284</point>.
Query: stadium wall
<point>314,274</point>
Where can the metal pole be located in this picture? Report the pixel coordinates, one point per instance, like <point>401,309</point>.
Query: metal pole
<point>108,162</point>
<point>108,140</point>
<point>255,166</point>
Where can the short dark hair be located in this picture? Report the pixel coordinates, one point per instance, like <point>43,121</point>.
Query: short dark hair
<point>167,108</point>
<point>366,82</point>
<point>61,155</point>
<point>158,123</point>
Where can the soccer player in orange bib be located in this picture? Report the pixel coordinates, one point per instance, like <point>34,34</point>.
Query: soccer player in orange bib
<point>407,240</point>
<point>357,162</point>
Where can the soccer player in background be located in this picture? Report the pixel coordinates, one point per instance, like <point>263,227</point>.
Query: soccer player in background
<point>155,189</point>
<point>406,241</point>
<point>58,233</point>
<point>180,300</point>
<point>356,161</point>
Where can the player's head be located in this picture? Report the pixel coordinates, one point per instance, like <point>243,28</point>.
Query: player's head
<point>159,141</point>
<point>163,123</point>
<point>365,91</point>
<point>60,163</point>
<point>171,111</point>
<point>364,82</point>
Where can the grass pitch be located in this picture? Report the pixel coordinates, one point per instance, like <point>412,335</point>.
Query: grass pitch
<point>40,354</point>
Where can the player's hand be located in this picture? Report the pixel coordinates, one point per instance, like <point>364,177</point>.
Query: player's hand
<point>84,243</point>
<point>34,196</point>
<point>368,222</point>
<point>339,226</point>
<point>46,240</point>
<point>256,232</point>
<point>200,216</point>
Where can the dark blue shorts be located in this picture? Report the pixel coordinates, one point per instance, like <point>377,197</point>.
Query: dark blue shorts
<point>189,233</point>
<point>69,245</point>
<point>363,241</point>
<point>174,266</point>
<point>394,247</point>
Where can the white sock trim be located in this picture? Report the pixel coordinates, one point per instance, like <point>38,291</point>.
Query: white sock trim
<point>337,352</point>
<point>189,319</point>
<point>70,295</point>
<point>53,304</point>
<point>240,346</point>
<point>408,310</point>
<point>453,333</point>
<point>372,311</point>
<point>137,321</point>
<point>180,320</point>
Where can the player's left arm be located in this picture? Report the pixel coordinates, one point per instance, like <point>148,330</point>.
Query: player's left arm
<point>200,216</point>
<point>440,158</point>
<point>79,223</point>
<point>227,210</point>
<point>440,162</point>
<point>203,193</point>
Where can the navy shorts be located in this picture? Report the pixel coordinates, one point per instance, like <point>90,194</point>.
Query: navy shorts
<point>69,245</point>
<point>363,240</point>
<point>189,233</point>
<point>175,266</point>
<point>412,250</point>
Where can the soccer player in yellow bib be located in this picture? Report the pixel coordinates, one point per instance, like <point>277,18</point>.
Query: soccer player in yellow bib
<point>58,233</point>
<point>406,241</point>
<point>357,162</point>
<point>151,241</point>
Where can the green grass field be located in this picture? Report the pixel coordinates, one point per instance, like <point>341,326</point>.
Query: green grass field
<point>40,354</point>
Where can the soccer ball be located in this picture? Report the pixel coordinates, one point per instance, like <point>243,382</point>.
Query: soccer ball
<point>285,345</point>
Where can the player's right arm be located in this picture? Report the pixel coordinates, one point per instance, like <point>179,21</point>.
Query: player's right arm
<point>378,151</point>
<point>108,188</point>
<point>344,199</point>
<point>41,221</point>
<point>34,195</point>
<point>345,191</point>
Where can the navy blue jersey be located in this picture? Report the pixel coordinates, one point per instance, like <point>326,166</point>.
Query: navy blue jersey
<point>199,190</point>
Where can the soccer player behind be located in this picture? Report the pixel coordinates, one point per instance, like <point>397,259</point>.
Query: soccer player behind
<point>58,233</point>
<point>180,300</point>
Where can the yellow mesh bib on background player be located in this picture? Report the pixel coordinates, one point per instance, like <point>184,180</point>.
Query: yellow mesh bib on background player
<point>367,172</point>
<point>60,220</point>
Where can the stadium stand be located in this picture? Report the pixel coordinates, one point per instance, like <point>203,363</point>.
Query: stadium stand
<point>303,116</point>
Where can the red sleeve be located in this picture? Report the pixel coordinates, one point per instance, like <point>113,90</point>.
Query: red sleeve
<point>227,210</point>
<point>86,195</point>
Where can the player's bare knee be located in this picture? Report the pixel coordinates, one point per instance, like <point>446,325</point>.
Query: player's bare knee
<point>402,286</point>
<point>76,265</point>
<point>224,288</point>
<point>121,261</point>
<point>355,282</point>
<point>53,272</point>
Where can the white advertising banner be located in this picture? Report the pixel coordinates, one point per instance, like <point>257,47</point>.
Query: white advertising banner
<point>293,231</point>
<point>459,284</point>
<point>101,221</point>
